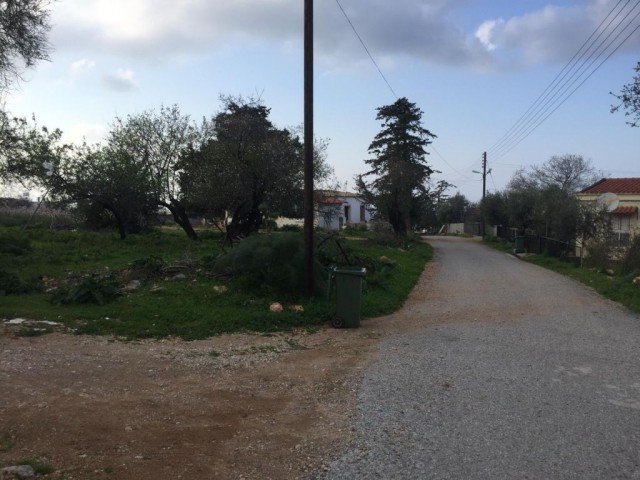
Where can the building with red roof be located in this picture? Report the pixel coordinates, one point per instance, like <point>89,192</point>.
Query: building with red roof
<point>621,198</point>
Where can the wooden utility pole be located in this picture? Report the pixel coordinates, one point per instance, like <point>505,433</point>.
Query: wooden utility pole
<point>308,148</point>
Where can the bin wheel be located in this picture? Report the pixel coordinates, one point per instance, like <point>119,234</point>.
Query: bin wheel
<point>337,322</point>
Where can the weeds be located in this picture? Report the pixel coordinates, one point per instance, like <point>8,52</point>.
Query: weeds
<point>7,442</point>
<point>85,272</point>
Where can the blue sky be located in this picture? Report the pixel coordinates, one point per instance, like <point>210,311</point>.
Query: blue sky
<point>472,66</point>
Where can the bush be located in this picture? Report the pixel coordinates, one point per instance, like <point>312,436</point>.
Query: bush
<point>631,256</point>
<point>94,288</point>
<point>290,228</point>
<point>598,254</point>
<point>269,264</point>
<point>11,284</point>
<point>12,244</point>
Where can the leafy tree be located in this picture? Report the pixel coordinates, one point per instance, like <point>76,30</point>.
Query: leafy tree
<point>155,142</point>
<point>399,163</point>
<point>453,209</point>
<point>494,208</point>
<point>570,173</point>
<point>247,169</point>
<point>629,99</point>
<point>542,198</point>
<point>521,204</point>
<point>99,179</point>
<point>556,213</point>
<point>95,179</point>
<point>24,25</point>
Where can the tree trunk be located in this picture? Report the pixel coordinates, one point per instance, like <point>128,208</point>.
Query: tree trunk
<point>118,217</point>
<point>180,217</point>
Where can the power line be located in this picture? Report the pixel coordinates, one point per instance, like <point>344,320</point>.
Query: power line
<point>541,121</point>
<point>538,112</point>
<point>557,78</point>
<point>366,49</point>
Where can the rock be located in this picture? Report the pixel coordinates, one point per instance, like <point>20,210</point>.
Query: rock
<point>275,307</point>
<point>16,321</point>
<point>132,285</point>
<point>296,308</point>
<point>636,280</point>
<point>17,472</point>
<point>386,260</point>
<point>220,289</point>
<point>179,276</point>
<point>609,272</point>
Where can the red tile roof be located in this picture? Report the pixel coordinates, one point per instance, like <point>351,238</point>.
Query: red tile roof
<point>331,201</point>
<point>615,185</point>
<point>625,210</point>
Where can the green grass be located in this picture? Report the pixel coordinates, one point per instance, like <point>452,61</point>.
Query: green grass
<point>7,442</point>
<point>39,467</point>
<point>189,307</point>
<point>619,288</point>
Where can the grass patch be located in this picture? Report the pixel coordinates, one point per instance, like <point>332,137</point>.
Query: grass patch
<point>7,442</point>
<point>39,467</point>
<point>177,292</point>
<point>619,288</point>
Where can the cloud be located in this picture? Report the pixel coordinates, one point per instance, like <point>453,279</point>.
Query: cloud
<point>80,67</point>
<point>121,81</point>
<point>484,33</point>
<point>552,34</point>
<point>426,30</point>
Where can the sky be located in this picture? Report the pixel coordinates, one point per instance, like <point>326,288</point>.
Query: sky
<point>474,67</point>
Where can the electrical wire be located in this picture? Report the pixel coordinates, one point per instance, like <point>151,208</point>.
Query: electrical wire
<point>540,122</point>
<point>366,49</point>
<point>539,112</point>
<point>559,77</point>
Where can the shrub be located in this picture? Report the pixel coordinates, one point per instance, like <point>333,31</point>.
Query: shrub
<point>11,284</point>
<point>150,266</point>
<point>269,264</point>
<point>598,254</point>
<point>94,288</point>
<point>290,228</point>
<point>12,244</point>
<point>631,256</point>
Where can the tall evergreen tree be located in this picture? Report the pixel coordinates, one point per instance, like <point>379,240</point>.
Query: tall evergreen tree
<point>399,163</point>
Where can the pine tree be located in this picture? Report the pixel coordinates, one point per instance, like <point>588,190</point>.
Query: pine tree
<point>399,163</point>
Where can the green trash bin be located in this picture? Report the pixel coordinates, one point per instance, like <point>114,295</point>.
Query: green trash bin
<point>519,245</point>
<point>348,296</point>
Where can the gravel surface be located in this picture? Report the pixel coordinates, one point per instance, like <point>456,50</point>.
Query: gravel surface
<point>518,373</point>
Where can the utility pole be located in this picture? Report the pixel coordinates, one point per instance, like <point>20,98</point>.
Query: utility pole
<point>308,148</point>
<point>484,189</point>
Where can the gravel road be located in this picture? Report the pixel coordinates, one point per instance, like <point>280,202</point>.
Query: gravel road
<point>521,373</point>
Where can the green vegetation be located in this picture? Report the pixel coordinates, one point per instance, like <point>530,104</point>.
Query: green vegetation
<point>7,442</point>
<point>163,284</point>
<point>618,288</point>
<point>39,467</point>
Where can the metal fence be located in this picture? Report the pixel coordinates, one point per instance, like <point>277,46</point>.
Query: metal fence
<point>550,246</point>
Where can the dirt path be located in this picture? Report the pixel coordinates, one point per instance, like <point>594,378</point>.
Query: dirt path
<point>237,406</point>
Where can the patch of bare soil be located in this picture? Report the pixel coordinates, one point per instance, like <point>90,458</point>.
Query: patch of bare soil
<point>234,406</point>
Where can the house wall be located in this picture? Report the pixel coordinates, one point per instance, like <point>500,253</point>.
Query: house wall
<point>339,214</point>
<point>620,225</point>
<point>625,200</point>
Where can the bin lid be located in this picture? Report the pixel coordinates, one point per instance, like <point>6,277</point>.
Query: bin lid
<point>357,271</point>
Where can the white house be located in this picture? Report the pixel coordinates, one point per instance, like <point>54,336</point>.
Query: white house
<point>336,210</point>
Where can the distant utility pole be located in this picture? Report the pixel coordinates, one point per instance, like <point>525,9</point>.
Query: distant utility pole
<point>308,148</point>
<point>484,189</point>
